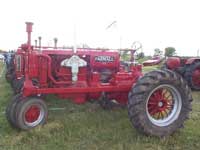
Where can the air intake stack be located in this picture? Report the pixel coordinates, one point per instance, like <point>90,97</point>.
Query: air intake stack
<point>29,30</point>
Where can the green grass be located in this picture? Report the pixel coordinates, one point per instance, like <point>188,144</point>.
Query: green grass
<point>88,127</point>
<point>149,68</point>
<point>1,67</point>
<point>143,59</point>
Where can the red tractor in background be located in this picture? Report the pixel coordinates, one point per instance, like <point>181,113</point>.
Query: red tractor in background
<point>188,68</point>
<point>158,102</point>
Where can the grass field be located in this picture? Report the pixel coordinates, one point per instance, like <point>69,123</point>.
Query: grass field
<point>1,68</point>
<point>89,127</point>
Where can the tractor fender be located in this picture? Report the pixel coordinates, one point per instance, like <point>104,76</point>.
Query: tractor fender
<point>192,60</point>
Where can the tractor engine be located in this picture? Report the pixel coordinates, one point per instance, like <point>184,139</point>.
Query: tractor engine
<point>89,72</point>
<point>80,67</point>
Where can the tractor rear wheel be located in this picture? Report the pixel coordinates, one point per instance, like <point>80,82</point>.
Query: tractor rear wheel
<point>192,75</point>
<point>159,103</point>
<point>31,113</point>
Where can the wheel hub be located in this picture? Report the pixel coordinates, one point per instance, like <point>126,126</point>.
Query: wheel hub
<point>32,114</point>
<point>160,104</point>
<point>163,105</point>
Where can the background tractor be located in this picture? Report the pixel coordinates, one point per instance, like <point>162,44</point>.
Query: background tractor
<point>188,68</point>
<point>158,102</point>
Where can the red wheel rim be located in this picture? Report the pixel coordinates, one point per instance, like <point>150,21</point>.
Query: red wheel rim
<point>32,114</point>
<point>160,104</point>
<point>196,77</point>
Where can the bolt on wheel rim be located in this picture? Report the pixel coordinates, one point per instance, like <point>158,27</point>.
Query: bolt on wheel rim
<point>163,105</point>
<point>33,115</point>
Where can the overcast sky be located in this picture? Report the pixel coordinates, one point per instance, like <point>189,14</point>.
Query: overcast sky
<point>155,23</point>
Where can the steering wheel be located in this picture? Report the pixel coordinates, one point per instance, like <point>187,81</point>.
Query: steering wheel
<point>137,48</point>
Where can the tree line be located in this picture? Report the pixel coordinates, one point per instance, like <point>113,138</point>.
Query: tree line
<point>168,52</point>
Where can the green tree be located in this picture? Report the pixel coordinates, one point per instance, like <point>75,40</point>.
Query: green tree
<point>141,55</point>
<point>170,51</point>
<point>157,52</point>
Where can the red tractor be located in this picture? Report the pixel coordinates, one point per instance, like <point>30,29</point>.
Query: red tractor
<point>188,68</point>
<point>158,102</point>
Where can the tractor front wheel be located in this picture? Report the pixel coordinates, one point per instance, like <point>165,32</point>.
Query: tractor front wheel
<point>11,109</point>
<point>159,103</point>
<point>31,113</point>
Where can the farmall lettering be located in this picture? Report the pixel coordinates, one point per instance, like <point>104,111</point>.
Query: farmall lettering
<point>104,58</point>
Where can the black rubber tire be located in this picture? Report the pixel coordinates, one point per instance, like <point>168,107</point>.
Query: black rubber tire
<point>8,76</point>
<point>22,108</point>
<point>17,86</point>
<point>164,66</point>
<point>10,110</point>
<point>188,75</point>
<point>138,98</point>
<point>14,83</point>
<point>13,80</point>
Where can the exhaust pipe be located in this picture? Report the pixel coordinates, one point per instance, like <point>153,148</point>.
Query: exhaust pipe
<point>40,38</point>
<point>35,43</point>
<point>55,42</point>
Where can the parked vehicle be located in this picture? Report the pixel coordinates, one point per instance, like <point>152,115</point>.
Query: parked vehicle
<point>187,67</point>
<point>158,102</point>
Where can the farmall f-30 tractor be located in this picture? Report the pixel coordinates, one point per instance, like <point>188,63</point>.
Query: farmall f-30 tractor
<point>188,68</point>
<point>158,102</point>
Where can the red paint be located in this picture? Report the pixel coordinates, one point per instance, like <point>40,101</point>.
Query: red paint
<point>32,114</point>
<point>173,62</point>
<point>45,75</point>
<point>19,70</point>
<point>191,60</point>
<point>196,77</point>
<point>160,103</point>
